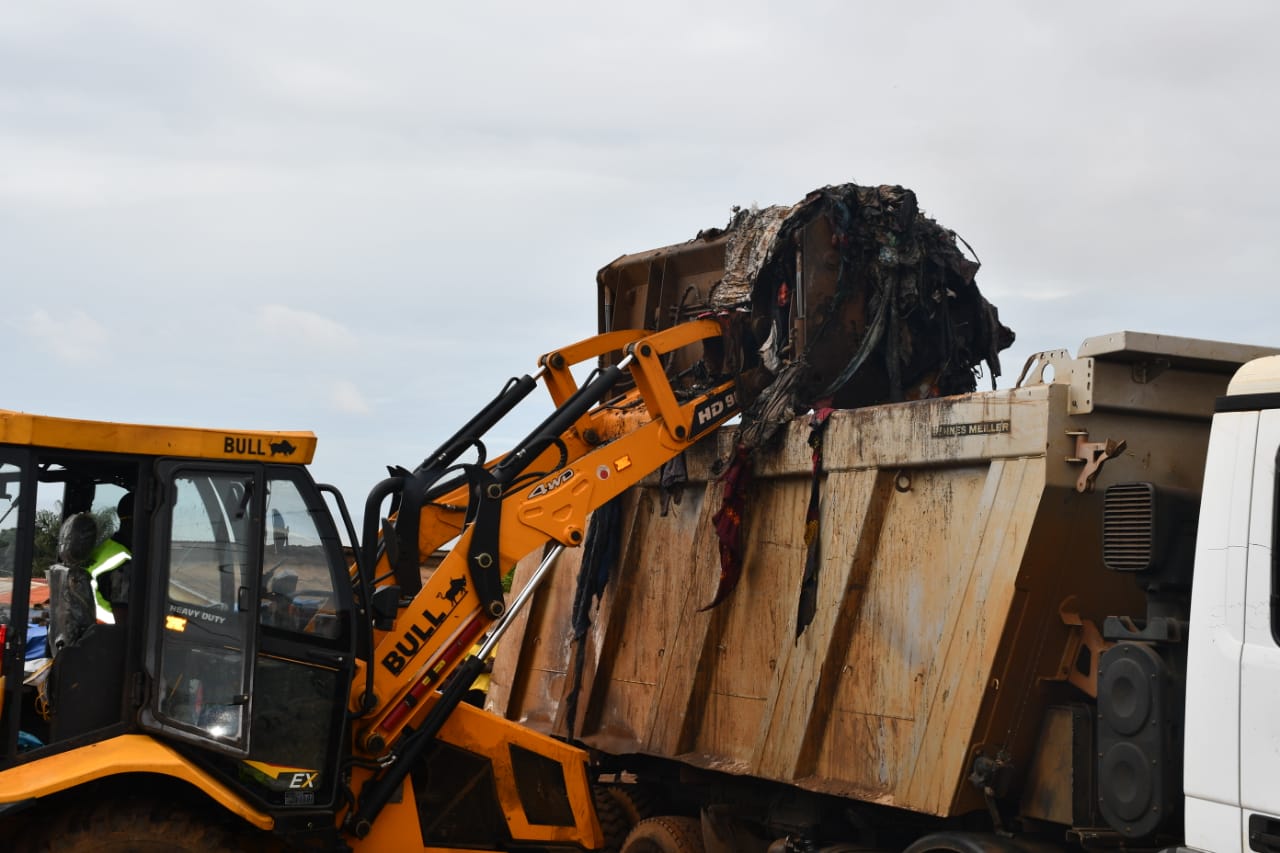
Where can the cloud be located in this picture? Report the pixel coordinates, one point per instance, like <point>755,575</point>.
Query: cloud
<point>56,175</point>
<point>345,397</point>
<point>186,175</point>
<point>320,85</point>
<point>283,325</point>
<point>76,339</point>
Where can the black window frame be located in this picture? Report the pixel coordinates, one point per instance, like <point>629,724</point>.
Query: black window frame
<point>1275,549</point>
<point>14,651</point>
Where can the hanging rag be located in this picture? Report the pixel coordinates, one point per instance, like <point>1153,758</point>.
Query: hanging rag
<point>599,556</point>
<point>728,523</point>
<point>672,478</point>
<point>812,522</point>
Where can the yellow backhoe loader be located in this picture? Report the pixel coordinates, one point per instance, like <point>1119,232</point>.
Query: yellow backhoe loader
<point>240,680</point>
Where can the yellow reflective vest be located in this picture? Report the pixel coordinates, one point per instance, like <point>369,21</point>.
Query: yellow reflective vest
<point>107,557</point>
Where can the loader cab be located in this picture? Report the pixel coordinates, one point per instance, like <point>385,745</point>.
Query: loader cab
<point>235,638</point>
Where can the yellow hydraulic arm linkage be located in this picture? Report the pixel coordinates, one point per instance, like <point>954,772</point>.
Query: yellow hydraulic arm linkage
<point>598,442</point>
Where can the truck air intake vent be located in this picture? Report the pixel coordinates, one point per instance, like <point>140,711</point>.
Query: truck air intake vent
<point>1128,527</point>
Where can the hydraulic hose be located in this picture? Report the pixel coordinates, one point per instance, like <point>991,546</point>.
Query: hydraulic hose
<point>550,430</point>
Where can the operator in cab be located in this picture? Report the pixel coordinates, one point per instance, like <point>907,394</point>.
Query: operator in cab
<point>109,565</point>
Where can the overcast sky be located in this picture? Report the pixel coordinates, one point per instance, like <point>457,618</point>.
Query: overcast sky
<point>360,219</point>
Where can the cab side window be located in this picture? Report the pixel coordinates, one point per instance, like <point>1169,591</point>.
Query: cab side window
<point>299,579</point>
<point>210,547</point>
<point>208,628</point>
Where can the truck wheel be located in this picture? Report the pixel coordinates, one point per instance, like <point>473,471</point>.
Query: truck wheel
<point>667,834</point>
<point>613,822</point>
<point>975,842</point>
<point>636,803</point>
<point>137,827</point>
<point>952,842</point>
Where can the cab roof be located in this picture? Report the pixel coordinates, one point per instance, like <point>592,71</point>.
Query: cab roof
<point>23,429</point>
<point>1261,376</point>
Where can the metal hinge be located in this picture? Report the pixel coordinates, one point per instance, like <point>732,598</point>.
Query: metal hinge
<point>1093,455</point>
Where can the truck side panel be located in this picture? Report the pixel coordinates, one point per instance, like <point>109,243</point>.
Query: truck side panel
<point>961,576</point>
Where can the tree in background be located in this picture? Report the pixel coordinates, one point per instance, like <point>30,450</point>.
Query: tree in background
<point>48,522</point>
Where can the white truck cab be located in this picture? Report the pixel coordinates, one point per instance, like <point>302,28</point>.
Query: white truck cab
<point>1232,739</point>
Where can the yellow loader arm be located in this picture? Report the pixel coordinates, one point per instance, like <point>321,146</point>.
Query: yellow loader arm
<point>588,451</point>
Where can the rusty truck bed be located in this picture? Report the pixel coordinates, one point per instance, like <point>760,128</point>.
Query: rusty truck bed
<point>960,579</point>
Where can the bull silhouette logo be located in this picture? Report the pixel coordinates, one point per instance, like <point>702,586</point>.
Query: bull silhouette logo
<point>282,447</point>
<point>457,589</point>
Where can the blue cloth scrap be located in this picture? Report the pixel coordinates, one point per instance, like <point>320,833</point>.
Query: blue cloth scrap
<point>37,642</point>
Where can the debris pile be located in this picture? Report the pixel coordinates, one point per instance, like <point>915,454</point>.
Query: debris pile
<point>851,297</point>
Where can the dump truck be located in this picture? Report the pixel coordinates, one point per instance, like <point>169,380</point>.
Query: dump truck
<point>1034,618</point>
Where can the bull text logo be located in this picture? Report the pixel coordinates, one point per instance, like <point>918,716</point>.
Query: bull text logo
<point>414,640</point>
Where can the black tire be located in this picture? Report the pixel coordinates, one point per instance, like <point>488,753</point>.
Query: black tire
<point>974,842</point>
<point>139,827</point>
<point>613,821</point>
<point>667,834</point>
<point>636,802</point>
